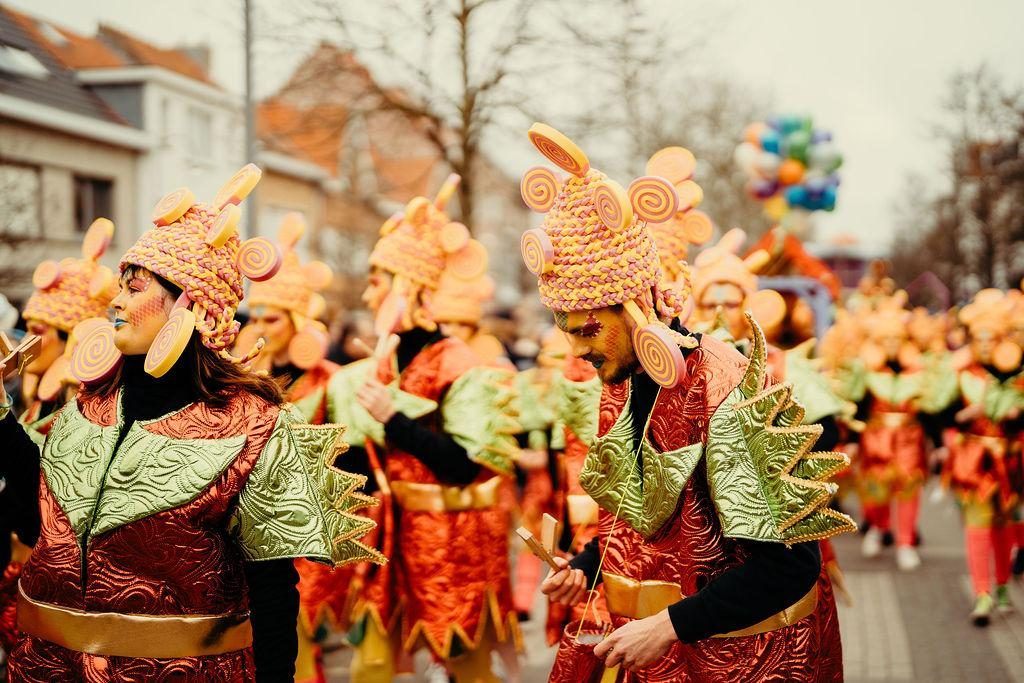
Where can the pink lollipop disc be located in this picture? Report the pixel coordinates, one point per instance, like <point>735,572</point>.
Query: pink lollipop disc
<point>95,357</point>
<point>659,355</point>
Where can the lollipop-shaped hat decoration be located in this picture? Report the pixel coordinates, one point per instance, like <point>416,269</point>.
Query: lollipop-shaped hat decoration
<point>196,247</point>
<point>594,249</point>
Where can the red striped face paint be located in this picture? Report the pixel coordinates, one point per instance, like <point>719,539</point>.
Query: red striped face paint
<point>591,327</point>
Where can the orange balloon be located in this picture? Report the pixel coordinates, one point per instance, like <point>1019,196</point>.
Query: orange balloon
<point>791,172</point>
<point>752,133</point>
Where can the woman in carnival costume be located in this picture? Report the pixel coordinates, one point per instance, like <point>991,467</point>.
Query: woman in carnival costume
<point>983,466</point>
<point>174,491</point>
<point>708,558</point>
<point>438,437</point>
<point>67,293</point>
<point>284,312</point>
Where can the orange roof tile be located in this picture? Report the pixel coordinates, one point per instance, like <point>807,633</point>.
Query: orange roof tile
<point>314,134</point>
<point>141,52</point>
<point>75,51</point>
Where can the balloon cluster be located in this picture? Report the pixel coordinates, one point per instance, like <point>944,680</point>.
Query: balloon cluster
<point>789,164</point>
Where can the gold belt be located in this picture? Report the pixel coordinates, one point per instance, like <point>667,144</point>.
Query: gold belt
<point>890,420</point>
<point>582,509</point>
<point>996,445</point>
<point>418,497</point>
<point>634,599</point>
<point>133,635</point>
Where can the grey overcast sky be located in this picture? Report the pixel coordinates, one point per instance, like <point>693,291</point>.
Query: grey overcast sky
<point>872,71</point>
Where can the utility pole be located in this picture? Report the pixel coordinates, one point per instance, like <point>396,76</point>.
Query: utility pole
<point>251,151</point>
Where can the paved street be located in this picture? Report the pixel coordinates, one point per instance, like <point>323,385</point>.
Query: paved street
<point>903,626</point>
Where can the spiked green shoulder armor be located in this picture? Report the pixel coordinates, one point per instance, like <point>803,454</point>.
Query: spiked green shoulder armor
<point>766,483</point>
<point>478,411</point>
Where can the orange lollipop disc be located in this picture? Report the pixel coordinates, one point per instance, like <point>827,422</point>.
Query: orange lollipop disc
<point>562,151</point>
<point>690,195</point>
<point>239,187</point>
<point>653,199</point>
<point>768,308</point>
<point>173,206</point>
<point>454,236</point>
<point>52,381</point>
<point>308,347</point>
<point>224,226</point>
<point>697,226</point>
<point>538,252</point>
<point>259,259</point>
<point>659,355</point>
<point>103,284</point>
<point>97,238</point>
<point>470,262</point>
<point>170,342</point>
<point>1006,356</point>
<point>612,204</point>
<point>318,274</point>
<point>46,274</point>
<point>674,164</point>
<point>95,356</point>
<point>539,188</point>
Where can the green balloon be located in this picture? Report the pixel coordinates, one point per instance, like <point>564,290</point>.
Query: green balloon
<point>797,144</point>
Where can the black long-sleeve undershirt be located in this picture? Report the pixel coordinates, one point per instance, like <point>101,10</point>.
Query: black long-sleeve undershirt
<point>443,456</point>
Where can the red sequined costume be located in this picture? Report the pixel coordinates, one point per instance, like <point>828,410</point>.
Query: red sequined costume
<point>449,575</point>
<point>690,549</point>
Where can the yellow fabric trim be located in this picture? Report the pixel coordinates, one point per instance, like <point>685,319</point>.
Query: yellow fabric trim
<point>417,497</point>
<point>505,628</point>
<point>133,635</point>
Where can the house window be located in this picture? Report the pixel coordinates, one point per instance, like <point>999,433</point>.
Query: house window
<point>21,63</point>
<point>20,201</point>
<point>93,199</point>
<point>200,135</point>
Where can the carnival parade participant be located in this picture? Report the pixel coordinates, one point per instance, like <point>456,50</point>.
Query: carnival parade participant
<point>894,394</point>
<point>174,491</point>
<point>983,466</point>
<point>697,537</point>
<point>67,294</point>
<point>284,312</point>
<point>438,437</point>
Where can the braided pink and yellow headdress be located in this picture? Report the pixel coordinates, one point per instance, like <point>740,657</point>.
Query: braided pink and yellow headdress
<point>74,290</point>
<point>420,248</point>
<point>594,249</point>
<point>296,289</point>
<point>196,247</point>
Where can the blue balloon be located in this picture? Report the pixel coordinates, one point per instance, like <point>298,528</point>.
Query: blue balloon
<point>828,198</point>
<point>790,124</point>
<point>795,195</point>
<point>832,179</point>
<point>774,122</point>
<point>821,136</point>
<point>815,186</point>
<point>770,141</point>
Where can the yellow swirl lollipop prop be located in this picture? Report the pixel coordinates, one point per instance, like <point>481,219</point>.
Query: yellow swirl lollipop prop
<point>95,357</point>
<point>170,342</point>
<point>656,348</point>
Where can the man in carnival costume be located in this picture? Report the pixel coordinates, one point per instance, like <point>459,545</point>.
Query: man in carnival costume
<point>173,493</point>
<point>437,434</point>
<point>710,497</point>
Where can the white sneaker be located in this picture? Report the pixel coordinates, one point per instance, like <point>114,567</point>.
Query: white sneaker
<point>871,546</point>
<point>907,558</point>
<point>436,673</point>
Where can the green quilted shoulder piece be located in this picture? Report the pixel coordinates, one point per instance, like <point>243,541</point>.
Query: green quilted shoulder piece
<point>581,402</point>
<point>642,487</point>
<point>74,458</point>
<point>343,408</point>
<point>537,406</point>
<point>296,503</point>
<point>940,386</point>
<point>153,473</point>
<point>895,389</point>
<point>478,412</point>
<point>765,482</point>
<point>814,390</point>
<point>851,380</point>
<point>998,398</point>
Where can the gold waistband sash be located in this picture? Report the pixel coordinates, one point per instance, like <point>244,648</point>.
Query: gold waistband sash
<point>418,497</point>
<point>634,599</point>
<point>996,445</point>
<point>133,635</point>
<point>582,509</point>
<point>889,420</point>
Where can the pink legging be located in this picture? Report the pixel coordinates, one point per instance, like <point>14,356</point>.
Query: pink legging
<point>880,516</point>
<point>985,545</point>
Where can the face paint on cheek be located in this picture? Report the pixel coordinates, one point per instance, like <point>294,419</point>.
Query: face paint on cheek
<point>561,320</point>
<point>151,307</point>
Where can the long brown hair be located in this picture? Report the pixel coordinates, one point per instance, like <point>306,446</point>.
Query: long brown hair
<point>214,380</point>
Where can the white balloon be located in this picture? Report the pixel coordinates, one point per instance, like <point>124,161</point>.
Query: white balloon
<point>767,164</point>
<point>745,156</point>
